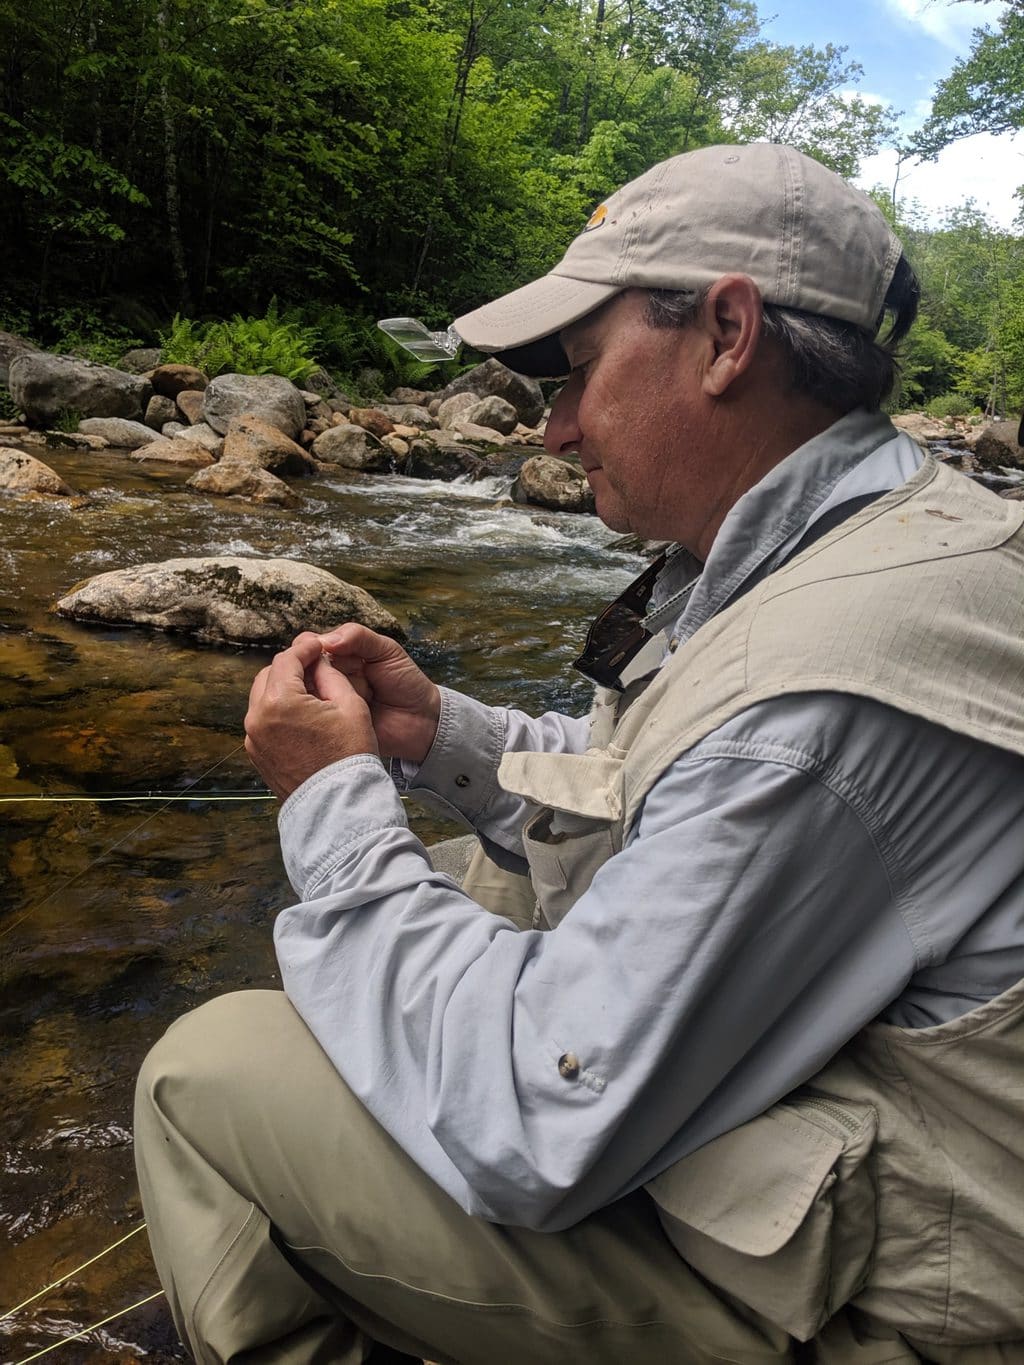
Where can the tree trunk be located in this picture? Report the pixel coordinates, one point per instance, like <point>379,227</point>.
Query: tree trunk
<point>173,198</point>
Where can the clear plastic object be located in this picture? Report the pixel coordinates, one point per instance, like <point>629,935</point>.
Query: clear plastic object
<point>414,337</point>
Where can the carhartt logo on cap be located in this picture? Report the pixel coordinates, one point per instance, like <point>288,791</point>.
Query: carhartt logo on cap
<point>596,218</point>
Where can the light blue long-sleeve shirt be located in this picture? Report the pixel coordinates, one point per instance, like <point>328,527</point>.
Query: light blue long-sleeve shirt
<point>816,862</point>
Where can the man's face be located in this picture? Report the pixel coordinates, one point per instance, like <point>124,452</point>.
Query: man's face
<point>634,409</point>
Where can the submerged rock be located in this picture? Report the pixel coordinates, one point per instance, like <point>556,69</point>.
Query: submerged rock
<point>184,454</point>
<point>226,600</point>
<point>21,473</point>
<point>556,484</point>
<point>235,479</point>
<point>427,460</point>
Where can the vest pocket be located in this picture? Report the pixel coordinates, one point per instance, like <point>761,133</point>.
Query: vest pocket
<point>780,1212</point>
<point>565,852</point>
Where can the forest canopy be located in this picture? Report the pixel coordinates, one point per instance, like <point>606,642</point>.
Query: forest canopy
<point>338,159</point>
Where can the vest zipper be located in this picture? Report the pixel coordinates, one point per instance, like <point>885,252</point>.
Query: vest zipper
<point>835,1116</point>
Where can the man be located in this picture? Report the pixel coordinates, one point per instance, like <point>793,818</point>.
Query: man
<point>735,1074</point>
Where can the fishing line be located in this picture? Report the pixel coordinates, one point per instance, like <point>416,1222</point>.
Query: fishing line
<point>86,1330</point>
<point>117,842</point>
<point>85,1264</point>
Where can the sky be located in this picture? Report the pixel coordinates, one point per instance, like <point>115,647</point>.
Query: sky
<point>905,47</point>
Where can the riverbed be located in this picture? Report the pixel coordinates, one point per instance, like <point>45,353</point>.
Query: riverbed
<point>141,873</point>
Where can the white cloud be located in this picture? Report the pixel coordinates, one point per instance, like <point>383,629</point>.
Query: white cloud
<point>985,168</point>
<point>848,96</point>
<point>947,22</point>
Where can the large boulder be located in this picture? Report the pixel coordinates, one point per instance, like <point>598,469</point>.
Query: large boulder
<point>268,396</point>
<point>353,448</point>
<point>45,387</point>
<point>226,599</point>
<point>556,484</point>
<point>11,346</point>
<point>469,431</point>
<point>118,431</point>
<point>233,479</point>
<point>492,377</point>
<point>170,380</point>
<point>922,427</point>
<point>21,473</point>
<point>998,445</point>
<point>492,412</point>
<point>254,442</point>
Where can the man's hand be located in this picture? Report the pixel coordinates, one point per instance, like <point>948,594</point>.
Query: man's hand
<point>405,706</point>
<point>304,715</point>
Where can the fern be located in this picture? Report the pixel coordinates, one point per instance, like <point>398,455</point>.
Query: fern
<point>266,345</point>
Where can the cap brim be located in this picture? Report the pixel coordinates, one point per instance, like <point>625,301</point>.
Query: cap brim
<point>525,323</point>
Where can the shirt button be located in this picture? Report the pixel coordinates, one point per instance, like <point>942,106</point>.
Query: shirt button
<point>462,780</point>
<point>569,1066</point>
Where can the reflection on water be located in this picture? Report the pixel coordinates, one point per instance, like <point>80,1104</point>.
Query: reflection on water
<point>117,917</point>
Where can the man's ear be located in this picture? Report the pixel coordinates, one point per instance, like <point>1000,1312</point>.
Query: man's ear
<point>732,316</point>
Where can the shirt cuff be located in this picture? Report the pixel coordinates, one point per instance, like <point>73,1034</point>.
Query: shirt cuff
<point>332,811</point>
<point>460,772</point>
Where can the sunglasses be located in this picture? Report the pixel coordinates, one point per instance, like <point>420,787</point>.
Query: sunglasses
<point>617,635</point>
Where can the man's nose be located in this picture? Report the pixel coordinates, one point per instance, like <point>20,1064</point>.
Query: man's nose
<point>562,433</point>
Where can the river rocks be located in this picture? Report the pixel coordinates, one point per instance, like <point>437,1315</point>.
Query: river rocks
<point>160,411</point>
<point>494,413</point>
<point>997,445</point>
<point>451,409</point>
<point>469,431</point>
<point>171,429</point>
<point>408,415</point>
<point>141,359</point>
<point>547,482</point>
<point>417,397</point>
<point>372,420</point>
<point>268,396</point>
<point>202,435</point>
<point>427,460</point>
<point>45,387</point>
<point>117,431</point>
<point>21,473</point>
<point>353,448</point>
<point>233,479</point>
<point>170,380</point>
<point>321,383</point>
<point>11,346</point>
<point>185,454</point>
<point>492,377</point>
<point>922,427</point>
<point>226,599</point>
<point>254,442</point>
<point>190,404</point>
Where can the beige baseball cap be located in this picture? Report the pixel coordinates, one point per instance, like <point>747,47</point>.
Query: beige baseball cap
<point>807,238</point>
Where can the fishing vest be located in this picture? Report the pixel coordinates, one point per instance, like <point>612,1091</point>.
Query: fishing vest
<point>895,1179</point>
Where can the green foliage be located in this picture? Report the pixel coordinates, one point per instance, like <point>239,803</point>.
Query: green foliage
<point>8,408</point>
<point>948,405</point>
<point>67,420</point>
<point>266,345</point>
<point>83,332</point>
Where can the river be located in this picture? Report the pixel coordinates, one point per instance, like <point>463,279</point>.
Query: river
<point>118,915</point>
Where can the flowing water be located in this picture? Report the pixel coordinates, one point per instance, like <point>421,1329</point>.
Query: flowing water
<point>117,916</point>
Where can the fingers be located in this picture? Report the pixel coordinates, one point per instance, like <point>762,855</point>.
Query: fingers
<point>366,644</point>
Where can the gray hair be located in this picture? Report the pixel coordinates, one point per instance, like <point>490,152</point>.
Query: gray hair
<point>831,361</point>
